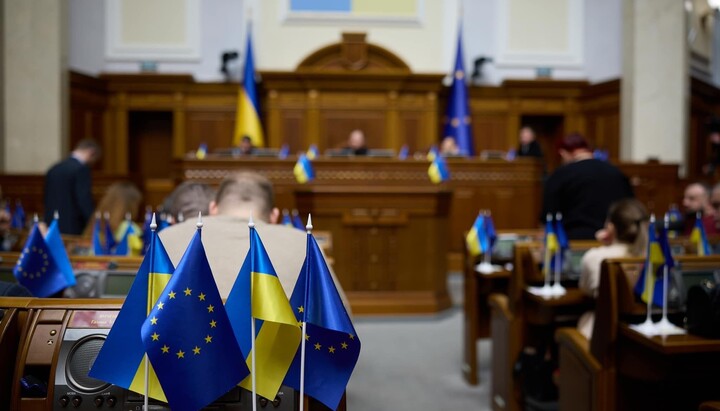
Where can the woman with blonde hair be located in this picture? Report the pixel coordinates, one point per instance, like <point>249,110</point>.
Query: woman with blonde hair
<point>624,235</point>
<point>121,200</point>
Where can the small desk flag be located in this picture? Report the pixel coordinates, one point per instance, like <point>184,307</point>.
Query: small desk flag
<point>257,295</point>
<point>120,360</point>
<point>59,254</point>
<point>188,337</point>
<point>332,346</point>
<point>303,170</point>
<point>650,283</point>
<point>36,268</point>
<point>438,170</point>
<point>699,238</point>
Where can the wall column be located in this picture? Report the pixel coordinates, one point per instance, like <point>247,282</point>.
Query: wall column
<point>655,83</point>
<point>34,84</point>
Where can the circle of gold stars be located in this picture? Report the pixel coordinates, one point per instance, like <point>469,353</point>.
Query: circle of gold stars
<point>197,349</point>
<point>37,273</point>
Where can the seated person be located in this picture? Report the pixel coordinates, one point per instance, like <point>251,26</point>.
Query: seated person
<point>246,147</point>
<point>697,199</point>
<point>121,199</point>
<point>624,235</point>
<point>449,147</point>
<point>529,146</point>
<point>226,235</point>
<point>189,198</point>
<point>356,143</point>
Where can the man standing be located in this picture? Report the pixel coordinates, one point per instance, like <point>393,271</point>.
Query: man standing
<point>68,188</point>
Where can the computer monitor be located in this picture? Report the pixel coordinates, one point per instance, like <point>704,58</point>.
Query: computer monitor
<point>505,246</point>
<point>572,264</point>
<point>381,153</point>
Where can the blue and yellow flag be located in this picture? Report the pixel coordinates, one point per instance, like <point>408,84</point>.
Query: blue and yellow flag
<point>257,295</point>
<point>303,170</point>
<point>247,119</point>
<point>699,238</point>
<point>131,242</point>
<point>120,360</point>
<point>658,256</point>
<point>110,242</point>
<point>201,152</point>
<point>36,268</point>
<point>457,115</point>
<point>188,337</point>
<point>551,244</point>
<point>432,153</point>
<point>332,347</point>
<point>438,170</point>
<point>312,152</point>
<point>97,245</point>
<point>57,250</point>
<point>476,239</point>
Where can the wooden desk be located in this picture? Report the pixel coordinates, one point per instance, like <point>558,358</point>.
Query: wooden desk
<point>676,372</point>
<point>394,241</point>
<point>476,319</point>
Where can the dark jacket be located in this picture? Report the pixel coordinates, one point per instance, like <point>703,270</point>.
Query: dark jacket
<point>68,189</point>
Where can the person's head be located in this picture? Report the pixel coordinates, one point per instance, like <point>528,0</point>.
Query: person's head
<point>246,194</point>
<point>449,146</point>
<point>527,135</point>
<point>627,223</point>
<point>189,198</point>
<point>356,139</point>
<point>87,150</point>
<point>573,147</point>
<point>120,198</point>
<point>246,145</point>
<point>696,198</point>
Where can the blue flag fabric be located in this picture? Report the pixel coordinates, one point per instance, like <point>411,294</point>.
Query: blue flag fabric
<point>403,154</point>
<point>490,230</point>
<point>36,268</point>
<point>562,239</point>
<point>17,220</point>
<point>284,151</point>
<point>332,347</point>
<point>476,238</point>
<point>303,169</point>
<point>58,252</point>
<point>286,219</point>
<point>97,246</point>
<point>457,116</point>
<point>296,221</point>
<point>120,360</point>
<point>188,337</point>
<point>110,242</point>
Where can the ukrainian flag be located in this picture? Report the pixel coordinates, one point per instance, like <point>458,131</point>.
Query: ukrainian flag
<point>247,120</point>
<point>257,295</point>
<point>473,239</point>
<point>438,170</point>
<point>303,170</point>
<point>551,244</point>
<point>699,238</point>
<point>120,360</point>
<point>649,284</point>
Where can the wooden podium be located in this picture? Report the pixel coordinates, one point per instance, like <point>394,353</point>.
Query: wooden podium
<point>395,240</point>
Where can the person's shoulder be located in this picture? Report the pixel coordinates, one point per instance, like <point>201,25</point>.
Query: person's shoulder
<point>280,231</point>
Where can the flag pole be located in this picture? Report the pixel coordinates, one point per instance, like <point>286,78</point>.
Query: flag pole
<point>546,267</point>
<point>648,327</point>
<point>309,228</point>
<point>664,325</point>
<point>253,377</point>
<point>146,402</point>
<point>557,287</point>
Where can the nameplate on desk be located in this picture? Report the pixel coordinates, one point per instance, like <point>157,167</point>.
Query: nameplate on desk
<point>93,319</point>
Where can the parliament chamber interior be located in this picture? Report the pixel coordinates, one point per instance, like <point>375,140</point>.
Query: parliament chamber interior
<point>439,196</point>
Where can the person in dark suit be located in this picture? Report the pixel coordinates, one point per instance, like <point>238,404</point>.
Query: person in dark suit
<point>356,143</point>
<point>68,188</point>
<point>529,146</point>
<point>582,189</point>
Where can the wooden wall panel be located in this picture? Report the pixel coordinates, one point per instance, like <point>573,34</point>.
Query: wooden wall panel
<point>490,132</point>
<point>88,105</point>
<point>704,104</point>
<point>215,128</point>
<point>336,125</point>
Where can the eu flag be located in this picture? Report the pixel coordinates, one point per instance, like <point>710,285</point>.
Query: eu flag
<point>188,337</point>
<point>257,295</point>
<point>699,238</point>
<point>36,268</point>
<point>490,230</point>
<point>457,116</point>
<point>57,250</point>
<point>120,360</point>
<point>476,238</point>
<point>247,119</point>
<point>296,221</point>
<point>332,347</point>
<point>650,283</point>
<point>303,170</point>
